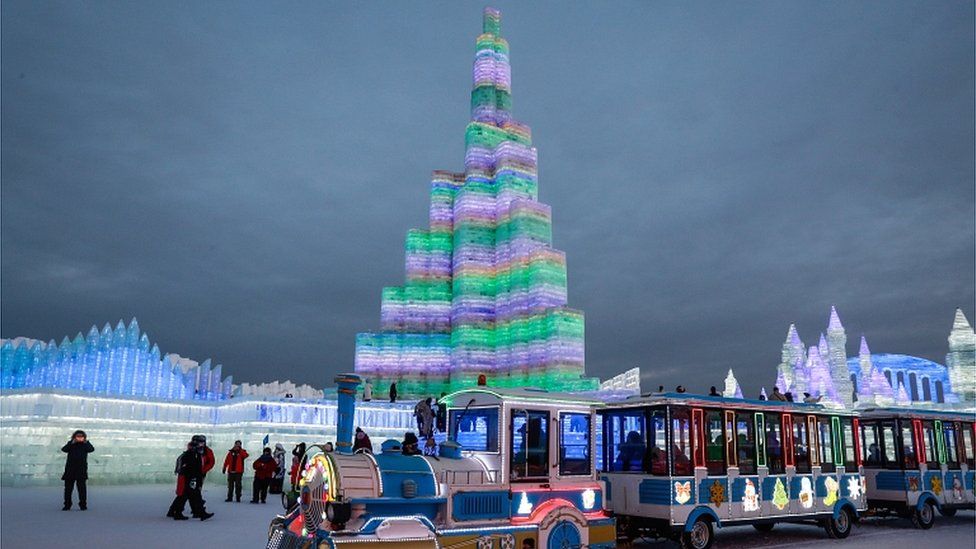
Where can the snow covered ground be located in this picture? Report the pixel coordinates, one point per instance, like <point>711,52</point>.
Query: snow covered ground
<point>133,516</point>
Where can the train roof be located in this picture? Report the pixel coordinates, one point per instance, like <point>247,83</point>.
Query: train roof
<point>651,399</point>
<point>919,413</point>
<point>524,394</point>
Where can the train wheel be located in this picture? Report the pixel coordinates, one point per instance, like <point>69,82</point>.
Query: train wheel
<point>947,511</point>
<point>701,535</point>
<point>764,526</point>
<point>923,517</point>
<point>840,527</point>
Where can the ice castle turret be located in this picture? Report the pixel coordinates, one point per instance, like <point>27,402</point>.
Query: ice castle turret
<point>115,362</point>
<point>961,360</point>
<point>485,291</point>
<point>837,357</point>
<point>732,389</point>
<point>793,350</point>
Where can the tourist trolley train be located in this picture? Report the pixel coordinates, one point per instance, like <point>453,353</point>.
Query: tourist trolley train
<point>677,465</point>
<point>916,461</point>
<point>529,469</point>
<point>520,474</point>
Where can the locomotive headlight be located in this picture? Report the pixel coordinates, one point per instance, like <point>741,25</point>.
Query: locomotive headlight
<point>338,512</point>
<point>589,499</point>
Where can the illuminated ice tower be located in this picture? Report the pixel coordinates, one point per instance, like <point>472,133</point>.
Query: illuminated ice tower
<point>485,292</point>
<point>961,360</point>
<point>837,358</point>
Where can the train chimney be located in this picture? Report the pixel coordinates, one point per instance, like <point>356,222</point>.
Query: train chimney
<point>348,386</point>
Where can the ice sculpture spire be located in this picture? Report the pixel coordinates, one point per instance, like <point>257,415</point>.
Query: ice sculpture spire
<point>485,291</point>
<point>732,389</point>
<point>793,350</point>
<point>961,360</point>
<point>834,322</point>
<point>837,359</point>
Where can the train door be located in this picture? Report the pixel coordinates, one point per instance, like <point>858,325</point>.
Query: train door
<point>744,475</point>
<point>827,484</point>
<point>955,483</point>
<point>713,486</point>
<point>775,483</point>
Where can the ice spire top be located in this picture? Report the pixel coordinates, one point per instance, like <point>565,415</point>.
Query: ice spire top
<point>492,21</point>
<point>491,93</point>
<point>834,323</point>
<point>961,322</point>
<point>792,336</point>
<point>864,351</point>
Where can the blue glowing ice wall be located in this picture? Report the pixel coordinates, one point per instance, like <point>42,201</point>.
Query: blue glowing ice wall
<point>115,362</point>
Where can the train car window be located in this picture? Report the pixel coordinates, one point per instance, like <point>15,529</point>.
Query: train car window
<point>908,452</point>
<point>967,445</point>
<point>940,441</point>
<point>870,444</point>
<point>801,446</point>
<point>930,445</point>
<point>951,451</point>
<point>530,444</point>
<point>714,443</point>
<point>813,434</point>
<point>760,423</point>
<point>774,444</point>
<point>681,445</point>
<point>826,446</point>
<point>889,445</point>
<point>730,455</point>
<point>850,443</point>
<point>574,444</point>
<point>624,433</point>
<point>476,429</point>
<point>745,438</point>
<point>656,460</point>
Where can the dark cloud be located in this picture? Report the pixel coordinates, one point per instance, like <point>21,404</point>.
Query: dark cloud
<point>240,176</point>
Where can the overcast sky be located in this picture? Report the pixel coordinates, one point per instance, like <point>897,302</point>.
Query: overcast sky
<point>240,177</point>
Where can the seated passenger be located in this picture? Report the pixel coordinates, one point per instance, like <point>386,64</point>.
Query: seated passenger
<point>874,454</point>
<point>631,453</point>
<point>655,462</point>
<point>682,465</point>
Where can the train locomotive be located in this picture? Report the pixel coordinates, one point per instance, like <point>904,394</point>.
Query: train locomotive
<point>517,471</point>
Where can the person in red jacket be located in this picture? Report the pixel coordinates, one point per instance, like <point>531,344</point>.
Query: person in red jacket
<point>264,470</point>
<point>234,469</point>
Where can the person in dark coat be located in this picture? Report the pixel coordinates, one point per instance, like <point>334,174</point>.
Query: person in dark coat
<point>264,470</point>
<point>297,454</point>
<point>179,485</point>
<point>234,469</point>
<point>361,442</point>
<point>409,447</point>
<point>393,392</point>
<point>76,469</point>
<point>191,470</point>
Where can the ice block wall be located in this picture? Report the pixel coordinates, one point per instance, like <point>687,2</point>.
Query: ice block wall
<point>138,439</point>
<point>485,292</point>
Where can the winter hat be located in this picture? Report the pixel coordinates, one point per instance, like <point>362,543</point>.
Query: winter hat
<point>79,432</point>
<point>278,446</point>
<point>410,438</point>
